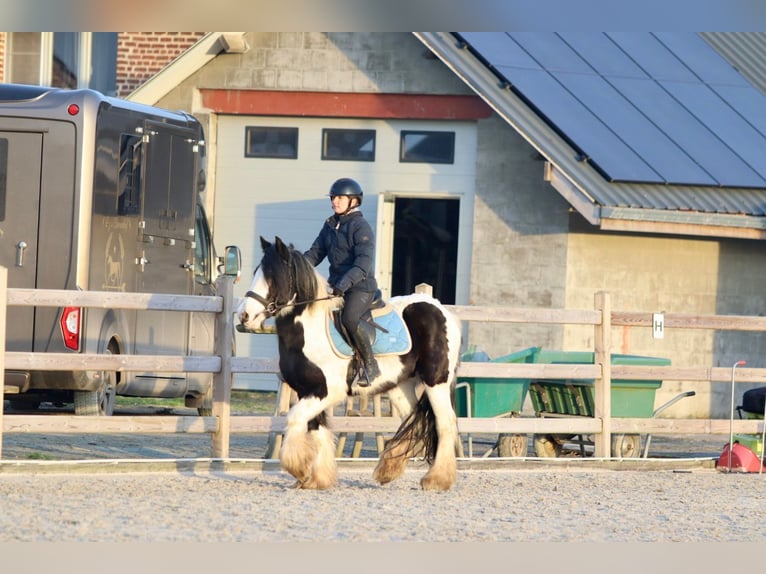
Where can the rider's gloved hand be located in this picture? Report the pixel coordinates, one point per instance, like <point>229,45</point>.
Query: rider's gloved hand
<point>334,291</point>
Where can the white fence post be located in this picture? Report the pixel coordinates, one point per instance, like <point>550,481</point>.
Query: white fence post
<point>224,346</point>
<point>603,385</point>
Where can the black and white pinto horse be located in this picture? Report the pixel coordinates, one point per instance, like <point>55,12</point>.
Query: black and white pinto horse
<point>420,383</point>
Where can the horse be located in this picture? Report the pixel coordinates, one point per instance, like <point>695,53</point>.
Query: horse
<point>420,381</point>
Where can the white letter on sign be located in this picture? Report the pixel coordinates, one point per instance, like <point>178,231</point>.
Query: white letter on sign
<point>658,325</point>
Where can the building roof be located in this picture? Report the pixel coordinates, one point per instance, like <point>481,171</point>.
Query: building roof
<point>649,132</point>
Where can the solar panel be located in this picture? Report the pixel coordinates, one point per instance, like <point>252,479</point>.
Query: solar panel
<point>689,133</point>
<point>629,124</point>
<point>597,142</point>
<point>599,51</point>
<point>701,59</point>
<point>644,107</point>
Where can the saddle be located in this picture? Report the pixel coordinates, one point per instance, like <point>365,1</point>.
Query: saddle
<point>383,324</point>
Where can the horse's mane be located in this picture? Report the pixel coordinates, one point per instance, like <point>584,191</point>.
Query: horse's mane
<point>289,273</point>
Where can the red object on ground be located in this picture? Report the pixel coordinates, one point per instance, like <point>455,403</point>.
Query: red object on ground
<point>743,459</point>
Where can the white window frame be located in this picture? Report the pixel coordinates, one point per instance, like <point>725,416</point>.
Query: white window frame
<point>84,68</point>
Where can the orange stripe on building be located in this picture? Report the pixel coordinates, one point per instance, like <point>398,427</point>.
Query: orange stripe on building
<point>345,105</point>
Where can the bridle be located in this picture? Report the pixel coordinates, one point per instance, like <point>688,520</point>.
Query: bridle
<point>271,308</point>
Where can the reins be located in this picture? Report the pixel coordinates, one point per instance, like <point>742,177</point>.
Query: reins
<point>271,307</point>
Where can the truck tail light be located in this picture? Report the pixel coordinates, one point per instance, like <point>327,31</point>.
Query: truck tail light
<point>70,327</point>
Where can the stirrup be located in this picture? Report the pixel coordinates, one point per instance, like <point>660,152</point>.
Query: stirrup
<point>361,377</point>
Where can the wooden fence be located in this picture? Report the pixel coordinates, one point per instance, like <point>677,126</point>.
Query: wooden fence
<point>223,366</point>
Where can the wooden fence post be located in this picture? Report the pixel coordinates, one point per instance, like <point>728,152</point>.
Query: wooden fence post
<point>603,386</point>
<point>3,308</point>
<point>222,380</point>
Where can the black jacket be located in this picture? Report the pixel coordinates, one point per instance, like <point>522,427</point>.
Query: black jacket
<point>349,245</point>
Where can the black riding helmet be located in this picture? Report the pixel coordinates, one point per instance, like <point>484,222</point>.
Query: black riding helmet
<point>347,186</point>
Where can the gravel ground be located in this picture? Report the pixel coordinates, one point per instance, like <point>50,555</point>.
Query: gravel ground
<point>94,488</point>
<point>485,506</point>
<point>82,488</point>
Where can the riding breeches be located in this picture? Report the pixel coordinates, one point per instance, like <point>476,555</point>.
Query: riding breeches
<point>355,303</point>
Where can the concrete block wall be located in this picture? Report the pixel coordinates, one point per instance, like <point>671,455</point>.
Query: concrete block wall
<point>673,275</point>
<point>519,241</point>
<point>332,62</point>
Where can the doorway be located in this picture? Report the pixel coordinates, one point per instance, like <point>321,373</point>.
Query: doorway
<point>425,242</point>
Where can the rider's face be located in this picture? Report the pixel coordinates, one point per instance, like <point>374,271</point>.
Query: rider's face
<point>340,203</point>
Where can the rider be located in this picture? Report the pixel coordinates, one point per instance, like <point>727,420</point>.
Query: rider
<point>347,240</point>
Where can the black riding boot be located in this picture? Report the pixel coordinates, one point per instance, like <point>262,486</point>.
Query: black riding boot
<point>370,365</point>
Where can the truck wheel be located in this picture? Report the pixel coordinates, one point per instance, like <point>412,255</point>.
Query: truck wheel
<point>100,402</point>
<point>206,408</point>
<point>24,404</point>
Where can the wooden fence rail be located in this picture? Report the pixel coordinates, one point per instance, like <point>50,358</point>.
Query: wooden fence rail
<point>223,366</point>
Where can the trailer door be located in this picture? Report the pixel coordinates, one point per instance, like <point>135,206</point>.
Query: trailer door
<point>168,201</point>
<point>20,168</point>
<point>170,181</point>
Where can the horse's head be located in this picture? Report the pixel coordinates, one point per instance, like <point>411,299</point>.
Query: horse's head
<point>282,277</point>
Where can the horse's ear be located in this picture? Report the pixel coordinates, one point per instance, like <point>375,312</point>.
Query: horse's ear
<point>282,249</point>
<point>264,244</point>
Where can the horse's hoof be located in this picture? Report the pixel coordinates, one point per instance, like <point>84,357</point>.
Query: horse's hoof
<point>429,482</point>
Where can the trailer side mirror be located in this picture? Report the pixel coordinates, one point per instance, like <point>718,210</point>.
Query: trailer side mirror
<point>232,262</point>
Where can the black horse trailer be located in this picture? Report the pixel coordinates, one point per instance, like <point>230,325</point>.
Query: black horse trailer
<point>101,194</point>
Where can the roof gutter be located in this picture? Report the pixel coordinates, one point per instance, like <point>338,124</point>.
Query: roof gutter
<point>682,223</point>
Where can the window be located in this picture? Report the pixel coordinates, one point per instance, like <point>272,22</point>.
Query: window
<point>262,141</point>
<point>427,147</point>
<point>64,59</point>
<point>202,262</point>
<point>129,200</point>
<point>350,145</point>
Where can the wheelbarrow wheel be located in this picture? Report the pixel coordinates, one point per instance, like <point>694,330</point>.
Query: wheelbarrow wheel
<point>626,445</point>
<point>546,446</point>
<point>512,445</point>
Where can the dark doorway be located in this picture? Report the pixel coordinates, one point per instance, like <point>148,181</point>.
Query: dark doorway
<point>425,246</point>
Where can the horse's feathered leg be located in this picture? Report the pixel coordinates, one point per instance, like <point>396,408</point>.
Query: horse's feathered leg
<point>398,451</point>
<point>324,473</point>
<point>309,455</point>
<point>443,472</point>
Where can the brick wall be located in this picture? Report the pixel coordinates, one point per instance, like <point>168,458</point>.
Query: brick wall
<point>140,55</point>
<point>2,56</point>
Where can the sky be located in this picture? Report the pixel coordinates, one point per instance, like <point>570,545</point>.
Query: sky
<point>381,15</point>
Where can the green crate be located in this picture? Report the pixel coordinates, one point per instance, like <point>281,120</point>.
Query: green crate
<point>630,398</point>
<point>491,397</point>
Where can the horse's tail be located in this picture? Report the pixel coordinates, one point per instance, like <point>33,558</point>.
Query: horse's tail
<point>417,435</point>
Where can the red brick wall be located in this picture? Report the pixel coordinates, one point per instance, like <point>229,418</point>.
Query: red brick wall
<point>2,56</point>
<point>140,55</point>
